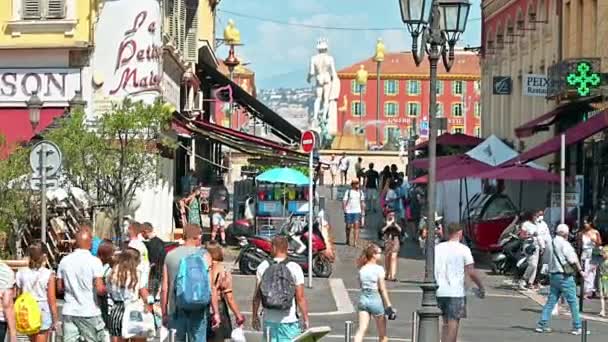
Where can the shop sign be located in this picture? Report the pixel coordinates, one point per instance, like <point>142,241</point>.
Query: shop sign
<point>502,85</point>
<point>51,85</point>
<point>572,199</point>
<point>171,91</point>
<point>456,121</point>
<point>535,85</point>
<point>128,49</point>
<point>399,121</point>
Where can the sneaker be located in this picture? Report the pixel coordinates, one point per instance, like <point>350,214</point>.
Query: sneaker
<point>522,286</point>
<point>542,330</point>
<point>578,332</point>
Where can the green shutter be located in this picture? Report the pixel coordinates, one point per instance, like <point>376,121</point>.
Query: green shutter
<point>191,31</point>
<point>55,9</point>
<point>181,23</point>
<point>31,9</point>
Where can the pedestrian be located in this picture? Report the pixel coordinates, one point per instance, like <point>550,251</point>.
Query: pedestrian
<point>391,234</point>
<point>39,281</point>
<point>7,312</point>
<point>385,176</point>
<point>590,243</point>
<point>544,239</point>
<point>529,233</point>
<point>371,188</point>
<point>219,209</point>
<point>189,324</point>
<point>80,278</point>
<point>105,253</point>
<point>564,267</point>
<point>136,240</point>
<point>453,260</point>
<point>603,283</point>
<point>600,220</point>
<point>126,289</point>
<point>394,171</point>
<point>222,283</point>
<point>157,254</point>
<point>193,205</point>
<point>374,300</point>
<point>359,169</point>
<point>333,169</point>
<point>343,166</point>
<point>353,204</point>
<point>280,290</point>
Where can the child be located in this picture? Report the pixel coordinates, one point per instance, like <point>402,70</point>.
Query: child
<point>391,233</point>
<point>603,279</point>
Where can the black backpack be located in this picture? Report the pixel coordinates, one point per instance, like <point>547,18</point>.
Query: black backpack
<point>278,288</point>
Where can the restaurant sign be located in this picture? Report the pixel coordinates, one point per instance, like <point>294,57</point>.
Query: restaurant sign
<point>51,85</point>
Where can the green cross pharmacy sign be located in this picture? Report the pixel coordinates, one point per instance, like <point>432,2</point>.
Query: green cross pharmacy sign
<point>583,79</point>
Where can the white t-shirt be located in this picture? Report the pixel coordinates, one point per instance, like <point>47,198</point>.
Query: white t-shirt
<point>531,229</point>
<point>144,264</point>
<point>352,201</point>
<point>343,164</point>
<point>544,235</point>
<point>35,282</point>
<point>282,316</point>
<point>7,281</point>
<point>78,271</point>
<point>450,259</point>
<point>369,275</point>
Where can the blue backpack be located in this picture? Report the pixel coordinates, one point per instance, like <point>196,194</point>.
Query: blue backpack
<point>192,291</point>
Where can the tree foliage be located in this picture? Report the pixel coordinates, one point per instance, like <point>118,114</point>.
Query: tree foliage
<point>13,198</point>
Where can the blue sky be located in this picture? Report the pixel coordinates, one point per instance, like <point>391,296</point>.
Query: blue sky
<point>279,53</point>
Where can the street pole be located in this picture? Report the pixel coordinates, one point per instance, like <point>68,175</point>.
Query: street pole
<point>361,107</point>
<point>43,194</point>
<point>378,63</point>
<point>562,176</point>
<point>310,214</point>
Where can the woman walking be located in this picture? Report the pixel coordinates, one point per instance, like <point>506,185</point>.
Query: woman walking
<point>590,242</point>
<point>391,233</point>
<point>125,288</point>
<point>222,283</point>
<point>39,281</point>
<point>374,301</point>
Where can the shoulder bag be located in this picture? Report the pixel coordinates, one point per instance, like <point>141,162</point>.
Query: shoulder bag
<point>568,269</point>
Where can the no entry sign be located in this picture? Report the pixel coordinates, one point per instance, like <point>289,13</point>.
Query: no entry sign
<point>308,141</point>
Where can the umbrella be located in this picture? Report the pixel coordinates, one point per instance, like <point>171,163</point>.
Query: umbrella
<point>423,163</point>
<point>283,175</point>
<point>463,169</point>
<point>519,172</point>
<point>452,139</point>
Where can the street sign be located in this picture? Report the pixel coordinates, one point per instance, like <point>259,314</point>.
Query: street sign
<point>52,158</point>
<point>36,183</point>
<point>308,141</point>
<point>535,85</point>
<point>424,128</point>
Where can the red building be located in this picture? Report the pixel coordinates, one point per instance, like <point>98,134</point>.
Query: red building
<point>245,78</point>
<point>404,96</point>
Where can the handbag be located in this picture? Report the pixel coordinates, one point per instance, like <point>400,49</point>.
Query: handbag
<point>136,322</point>
<point>568,269</point>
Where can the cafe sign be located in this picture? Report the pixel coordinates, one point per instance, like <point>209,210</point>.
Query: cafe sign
<point>535,85</point>
<point>51,85</point>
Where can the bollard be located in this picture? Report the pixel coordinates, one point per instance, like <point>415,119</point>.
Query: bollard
<point>414,326</point>
<point>172,334</point>
<point>584,331</point>
<point>53,336</point>
<point>268,339</point>
<point>348,326</point>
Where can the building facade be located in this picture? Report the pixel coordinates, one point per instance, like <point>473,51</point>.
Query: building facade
<point>404,98</point>
<point>240,120</point>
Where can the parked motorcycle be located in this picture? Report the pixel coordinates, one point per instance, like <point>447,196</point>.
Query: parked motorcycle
<point>514,251</point>
<point>258,249</point>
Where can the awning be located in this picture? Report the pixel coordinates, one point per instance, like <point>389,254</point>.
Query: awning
<point>460,170</point>
<point>543,122</point>
<point>279,126</point>
<point>15,126</point>
<point>443,161</point>
<point>242,142</point>
<point>595,123</point>
<point>449,139</point>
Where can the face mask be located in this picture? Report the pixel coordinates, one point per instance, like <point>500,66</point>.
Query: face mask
<point>539,219</point>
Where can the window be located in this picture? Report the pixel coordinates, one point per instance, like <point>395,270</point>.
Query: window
<point>439,110</point>
<point>356,87</point>
<point>477,109</point>
<point>478,131</point>
<point>391,87</point>
<point>457,87</point>
<point>392,133</point>
<point>42,9</point>
<point>413,87</point>
<point>439,87</point>
<point>458,129</point>
<point>355,109</point>
<point>457,109</point>
<point>477,85</point>
<point>48,16</point>
<point>391,109</point>
<point>413,108</point>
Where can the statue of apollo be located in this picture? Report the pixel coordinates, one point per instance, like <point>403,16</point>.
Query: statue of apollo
<point>327,90</point>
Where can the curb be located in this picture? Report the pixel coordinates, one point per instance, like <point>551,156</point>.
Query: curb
<point>541,300</point>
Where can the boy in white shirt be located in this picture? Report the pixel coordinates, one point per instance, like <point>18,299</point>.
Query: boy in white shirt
<point>353,204</point>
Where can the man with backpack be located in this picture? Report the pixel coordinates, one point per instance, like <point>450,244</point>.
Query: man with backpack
<point>353,204</point>
<point>186,293</point>
<point>280,290</point>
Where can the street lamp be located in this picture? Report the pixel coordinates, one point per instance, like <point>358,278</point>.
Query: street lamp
<point>361,79</point>
<point>440,22</point>
<point>33,105</point>
<point>379,58</point>
<point>232,37</point>
<point>77,102</point>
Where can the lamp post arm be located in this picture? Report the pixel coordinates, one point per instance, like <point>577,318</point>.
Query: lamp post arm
<point>447,57</point>
<point>418,53</point>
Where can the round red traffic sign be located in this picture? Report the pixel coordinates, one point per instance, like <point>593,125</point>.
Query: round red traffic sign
<point>308,141</point>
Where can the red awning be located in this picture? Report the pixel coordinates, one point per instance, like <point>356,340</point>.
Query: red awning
<point>16,129</point>
<point>442,161</point>
<point>595,124</point>
<point>520,172</point>
<point>449,139</point>
<point>542,122</point>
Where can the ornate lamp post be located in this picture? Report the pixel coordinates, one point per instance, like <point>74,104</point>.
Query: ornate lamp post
<point>361,80</point>
<point>232,38</point>
<point>34,104</point>
<point>379,58</point>
<point>440,22</point>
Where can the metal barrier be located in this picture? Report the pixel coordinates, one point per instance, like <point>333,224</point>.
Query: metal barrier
<point>414,326</point>
<point>172,334</point>
<point>268,339</point>
<point>348,326</point>
<point>53,336</point>
<point>584,331</point>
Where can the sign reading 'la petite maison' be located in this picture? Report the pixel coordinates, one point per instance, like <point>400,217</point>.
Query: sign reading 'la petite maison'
<point>51,85</point>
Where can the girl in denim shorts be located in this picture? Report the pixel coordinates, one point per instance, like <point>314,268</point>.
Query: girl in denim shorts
<point>374,301</point>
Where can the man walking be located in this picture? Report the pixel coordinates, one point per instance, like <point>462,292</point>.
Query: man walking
<point>136,240</point>
<point>190,325</point>
<point>563,268</point>
<point>453,260</point>
<point>79,277</point>
<point>157,254</point>
<point>371,187</point>
<point>359,169</point>
<point>353,204</point>
<point>285,280</point>
<point>343,166</point>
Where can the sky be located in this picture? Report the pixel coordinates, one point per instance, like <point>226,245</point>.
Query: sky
<point>279,53</point>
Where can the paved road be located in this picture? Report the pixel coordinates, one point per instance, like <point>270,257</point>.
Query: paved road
<point>504,315</point>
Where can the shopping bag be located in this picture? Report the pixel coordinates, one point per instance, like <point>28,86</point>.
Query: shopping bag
<point>136,322</point>
<point>238,335</point>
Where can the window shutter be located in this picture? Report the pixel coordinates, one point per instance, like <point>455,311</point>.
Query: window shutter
<point>168,7</point>
<point>191,41</point>
<point>55,9</point>
<point>31,9</point>
<point>181,23</point>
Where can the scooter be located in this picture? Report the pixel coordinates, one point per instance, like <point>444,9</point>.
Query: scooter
<point>514,252</point>
<point>258,249</point>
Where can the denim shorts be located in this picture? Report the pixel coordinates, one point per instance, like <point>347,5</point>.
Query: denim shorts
<point>47,319</point>
<point>352,218</point>
<point>371,302</point>
<point>453,308</point>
